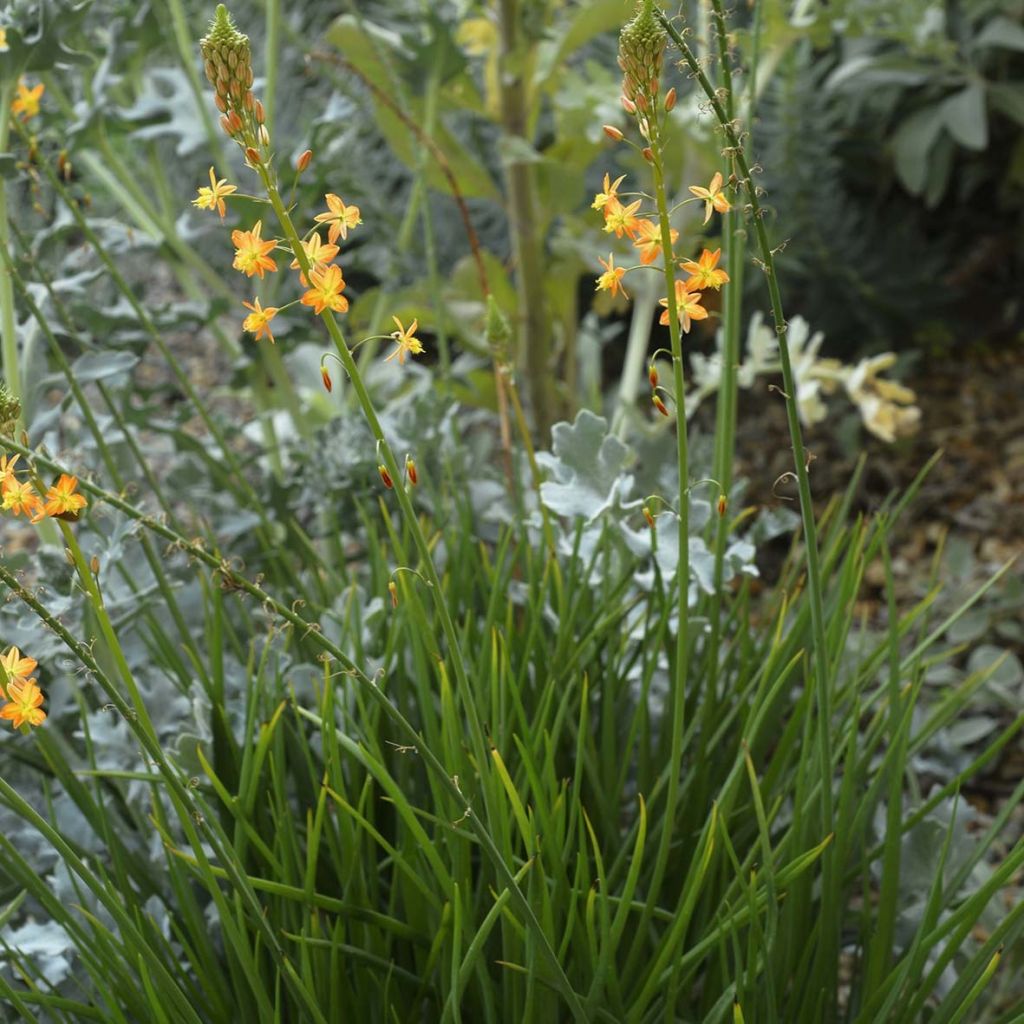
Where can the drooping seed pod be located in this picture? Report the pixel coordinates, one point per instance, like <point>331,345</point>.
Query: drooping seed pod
<point>652,375</point>
<point>647,515</point>
<point>326,378</point>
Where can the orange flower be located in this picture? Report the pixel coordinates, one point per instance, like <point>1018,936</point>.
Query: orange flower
<point>7,468</point>
<point>703,273</point>
<point>61,499</point>
<point>404,341</point>
<point>339,218</point>
<point>687,306</point>
<point>25,705</point>
<point>326,291</point>
<point>318,254</point>
<point>713,196</point>
<point>26,102</point>
<point>603,199</point>
<point>251,251</point>
<point>258,321</point>
<point>18,668</point>
<point>648,240</point>
<point>622,219</point>
<point>21,497</point>
<point>212,198</point>
<point>611,279</point>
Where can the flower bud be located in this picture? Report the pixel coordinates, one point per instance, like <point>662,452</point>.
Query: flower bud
<point>252,157</point>
<point>326,378</point>
<point>670,99</point>
<point>94,565</point>
<point>648,154</point>
<point>304,160</point>
<point>659,405</point>
<point>410,470</point>
<point>225,123</point>
<point>221,103</point>
<point>723,504</point>
<point>641,101</point>
<point>647,515</point>
<point>393,591</point>
<point>385,477</point>
<point>628,105</point>
<point>264,135</point>
<point>652,375</point>
<point>612,132</point>
<point>261,114</point>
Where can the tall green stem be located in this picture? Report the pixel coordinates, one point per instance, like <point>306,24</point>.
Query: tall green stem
<point>828,940</point>
<point>8,325</point>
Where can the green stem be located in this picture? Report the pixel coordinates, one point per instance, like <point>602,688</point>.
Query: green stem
<point>271,50</point>
<point>8,324</point>
<point>828,940</point>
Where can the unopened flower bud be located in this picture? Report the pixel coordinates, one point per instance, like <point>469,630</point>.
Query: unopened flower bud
<point>221,103</point>
<point>659,405</point>
<point>264,135</point>
<point>225,123</point>
<point>647,515</point>
<point>94,565</point>
<point>393,591</point>
<point>652,375</point>
<point>723,504</point>
<point>249,102</point>
<point>261,114</point>
<point>410,470</point>
<point>326,378</point>
<point>648,154</point>
<point>613,133</point>
<point>304,160</point>
<point>69,555</point>
<point>385,477</point>
<point>628,105</point>
<point>641,101</point>
<point>252,156</point>
<point>670,99</point>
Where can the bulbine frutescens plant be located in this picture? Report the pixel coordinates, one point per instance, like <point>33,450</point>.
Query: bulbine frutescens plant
<point>517,788</point>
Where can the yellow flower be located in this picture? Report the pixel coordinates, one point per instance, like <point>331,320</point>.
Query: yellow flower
<point>648,240</point>
<point>603,199</point>
<point>61,500</point>
<point>318,254</point>
<point>622,219</point>
<point>3,41</point>
<point>326,291</point>
<point>405,342</point>
<point>251,251</point>
<point>703,273</point>
<point>687,306</point>
<point>258,321</point>
<point>611,279</point>
<point>713,196</point>
<point>25,705</point>
<point>339,218</point>
<point>17,667</point>
<point>26,102</point>
<point>7,468</point>
<point>20,497</point>
<point>212,198</point>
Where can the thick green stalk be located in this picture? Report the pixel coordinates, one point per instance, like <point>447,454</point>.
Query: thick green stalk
<point>534,325</point>
<point>828,941</point>
<point>8,324</point>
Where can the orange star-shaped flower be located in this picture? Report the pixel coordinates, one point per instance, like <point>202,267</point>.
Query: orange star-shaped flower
<point>25,705</point>
<point>622,219</point>
<point>688,307</point>
<point>7,468</point>
<point>61,500</point>
<point>326,292</point>
<point>611,279</point>
<point>703,272</point>
<point>318,254</point>
<point>17,667</point>
<point>405,343</point>
<point>20,497</point>
<point>714,198</point>
<point>26,102</point>
<point>648,240</point>
<point>212,198</point>
<point>339,218</point>
<point>251,251</point>
<point>603,199</point>
<point>258,321</point>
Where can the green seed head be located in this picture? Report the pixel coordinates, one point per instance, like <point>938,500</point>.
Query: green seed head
<point>641,51</point>
<point>226,54</point>
<point>10,410</point>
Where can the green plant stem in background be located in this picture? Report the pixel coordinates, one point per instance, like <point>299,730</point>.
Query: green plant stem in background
<point>8,323</point>
<point>532,322</point>
<point>271,52</point>
<point>828,941</point>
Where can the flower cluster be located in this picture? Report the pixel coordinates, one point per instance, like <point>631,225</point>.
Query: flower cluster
<point>26,100</point>
<point>22,693</point>
<point>22,498</point>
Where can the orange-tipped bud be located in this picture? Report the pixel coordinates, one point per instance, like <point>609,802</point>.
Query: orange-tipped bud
<point>648,517</point>
<point>94,565</point>
<point>252,157</point>
<point>249,102</point>
<point>264,135</point>
<point>641,101</point>
<point>723,504</point>
<point>261,114</point>
<point>612,132</point>
<point>648,154</point>
<point>221,103</point>
<point>410,470</point>
<point>326,378</point>
<point>659,405</point>
<point>393,591</point>
<point>670,99</point>
<point>225,123</point>
<point>385,477</point>
<point>305,158</point>
<point>235,123</point>
<point>652,375</point>
<point>628,105</point>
